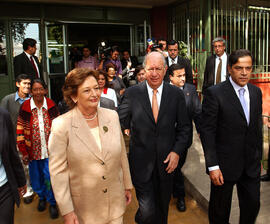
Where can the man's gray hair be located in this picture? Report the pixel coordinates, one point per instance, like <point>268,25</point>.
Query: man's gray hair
<point>219,39</point>
<point>151,53</point>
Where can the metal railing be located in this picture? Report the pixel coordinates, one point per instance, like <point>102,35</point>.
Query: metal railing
<point>266,142</point>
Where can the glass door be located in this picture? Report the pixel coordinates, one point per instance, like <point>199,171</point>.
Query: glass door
<point>4,78</point>
<point>141,33</point>
<point>56,58</point>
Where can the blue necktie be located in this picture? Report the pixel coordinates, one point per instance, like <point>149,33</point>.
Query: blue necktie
<point>243,103</point>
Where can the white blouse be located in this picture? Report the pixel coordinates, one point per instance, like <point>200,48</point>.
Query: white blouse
<point>110,95</point>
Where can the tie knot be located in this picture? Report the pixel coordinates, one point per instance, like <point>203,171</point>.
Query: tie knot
<point>155,91</point>
<point>241,91</point>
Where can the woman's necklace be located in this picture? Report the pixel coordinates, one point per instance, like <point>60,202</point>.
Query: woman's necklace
<point>90,119</point>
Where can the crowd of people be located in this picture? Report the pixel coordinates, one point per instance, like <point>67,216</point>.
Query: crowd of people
<point>77,161</point>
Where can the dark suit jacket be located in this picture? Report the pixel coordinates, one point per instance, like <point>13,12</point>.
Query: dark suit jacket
<point>209,72</point>
<point>188,69</point>
<point>228,141</point>
<point>107,103</point>
<point>22,65</point>
<point>104,102</point>
<point>134,62</point>
<point>151,142</point>
<point>9,155</point>
<point>194,108</point>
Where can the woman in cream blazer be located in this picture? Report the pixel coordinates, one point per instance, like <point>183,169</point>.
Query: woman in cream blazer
<point>89,173</point>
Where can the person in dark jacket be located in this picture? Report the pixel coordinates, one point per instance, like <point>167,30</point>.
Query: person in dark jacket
<point>12,178</point>
<point>177,76</point>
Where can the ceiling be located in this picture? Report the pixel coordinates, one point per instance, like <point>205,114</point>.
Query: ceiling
<point>112,3</point>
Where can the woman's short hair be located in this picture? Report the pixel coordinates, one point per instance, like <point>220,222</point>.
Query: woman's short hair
<point>40,81</point>
<point>110,65</point>
<point>101,72</point>
<point>138,69</point>
<point>74,79</point>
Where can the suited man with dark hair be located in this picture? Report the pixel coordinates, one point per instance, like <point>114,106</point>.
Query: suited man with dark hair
<point>174,58</point>
<point>178,78</point>
<point>27,62</point>
<point>231,134</point>
<point>216,65</point>
<point>155,112</point>
<point>12,178</point>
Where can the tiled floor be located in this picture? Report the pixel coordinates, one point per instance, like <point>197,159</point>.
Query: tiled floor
<point>28,214</point>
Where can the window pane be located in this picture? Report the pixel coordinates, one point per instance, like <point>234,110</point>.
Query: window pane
<point>3,53</point>
<point>55,48</point>
<point>20,31</point>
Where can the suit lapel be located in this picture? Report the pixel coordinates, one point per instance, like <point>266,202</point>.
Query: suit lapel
<point>252,104</point>
<point>233,98</point>
<point>144,99</point>
<point>162,107</point>
<point>83,132</point>
<point>105,131</point>
<point>27,60</point>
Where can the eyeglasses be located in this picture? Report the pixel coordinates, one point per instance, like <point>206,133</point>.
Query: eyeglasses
<point>218,46</point>
<point>91,91</point>
<point>152,70</point>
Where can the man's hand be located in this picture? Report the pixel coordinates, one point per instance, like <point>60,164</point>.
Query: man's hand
<point>127,132</point>
<point>216,177</point>
<point>129,65</point>
<point>128,196</point>
<point>71,218</point>
<point>173,159</point>
<point>22,190</point>
<point>25,160</point>
<point>122,91</point>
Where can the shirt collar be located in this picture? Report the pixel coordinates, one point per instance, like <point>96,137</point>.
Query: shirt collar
<point>33,105</point>
<point>28,55</point>
<point>222,56</point>
<point>178,87</point>
<point>17,97</point>
<point>159,89</point>
<point>175,59</point>
<point>237,87</point>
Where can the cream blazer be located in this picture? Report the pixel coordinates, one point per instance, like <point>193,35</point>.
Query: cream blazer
<point>84,178</point>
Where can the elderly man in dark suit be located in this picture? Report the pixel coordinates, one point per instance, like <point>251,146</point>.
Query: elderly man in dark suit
<point>174,58</point>
<point>12,179</point>
<point>27,62</point>
<point>178,78</point>
<point>216,65</point>
<point>231,134</point>
<point>155,112</point>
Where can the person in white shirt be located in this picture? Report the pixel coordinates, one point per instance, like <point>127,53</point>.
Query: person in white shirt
<point>216,65</point>
<point>106,92</point>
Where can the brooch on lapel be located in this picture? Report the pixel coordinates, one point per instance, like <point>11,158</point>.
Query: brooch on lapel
<point>105,128</point>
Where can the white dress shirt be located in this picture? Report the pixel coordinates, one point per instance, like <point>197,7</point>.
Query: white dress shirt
<point>28,55</point>
<point>110,95</point>
<point>159,93</point>
<point>171,62</point>
<point>247,99</point>
<point>223,67</point>
<point>44,149</point>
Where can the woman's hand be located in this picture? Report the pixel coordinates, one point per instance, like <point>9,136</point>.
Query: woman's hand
<point>128,196</point>
<point>71,218</point>
<point>25,160</point>
<point>22,190</point>
<point>122,91</point>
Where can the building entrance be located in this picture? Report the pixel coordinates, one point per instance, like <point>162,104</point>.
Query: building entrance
<point>66,41</point>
